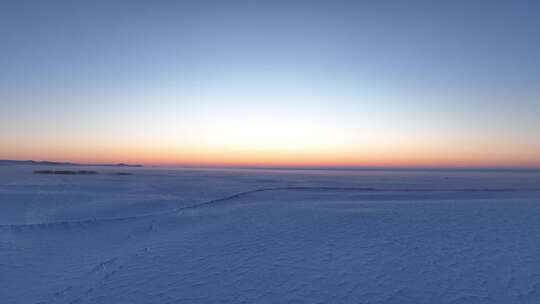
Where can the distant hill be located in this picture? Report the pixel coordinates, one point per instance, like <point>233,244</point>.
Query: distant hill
<point>50,163</point>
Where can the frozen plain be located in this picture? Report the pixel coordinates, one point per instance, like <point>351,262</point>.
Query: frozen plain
<point>268,236</point>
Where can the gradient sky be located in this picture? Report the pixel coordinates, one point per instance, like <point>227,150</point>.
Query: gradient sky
<point>369,83</point>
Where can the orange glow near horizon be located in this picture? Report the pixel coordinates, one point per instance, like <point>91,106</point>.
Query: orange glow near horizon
<point>293,141</point>
<point>276,158</point>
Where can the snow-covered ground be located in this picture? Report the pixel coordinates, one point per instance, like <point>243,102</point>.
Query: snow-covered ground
<point>255,236</point>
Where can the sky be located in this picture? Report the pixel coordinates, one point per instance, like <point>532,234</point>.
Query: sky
<point>330,83</point>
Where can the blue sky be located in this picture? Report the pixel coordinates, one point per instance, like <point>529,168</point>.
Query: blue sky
<point>344,82</point>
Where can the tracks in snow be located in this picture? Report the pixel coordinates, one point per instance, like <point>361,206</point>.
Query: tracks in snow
<point>67,224</point>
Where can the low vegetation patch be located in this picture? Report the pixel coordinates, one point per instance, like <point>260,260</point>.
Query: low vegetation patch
<point>122,173</point>
<point>66,172</point>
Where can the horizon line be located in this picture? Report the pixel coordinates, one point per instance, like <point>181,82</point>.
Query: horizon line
<point>357,168</point>
<point>293,167</point>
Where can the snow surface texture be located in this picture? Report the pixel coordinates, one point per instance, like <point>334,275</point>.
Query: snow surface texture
<point>255,236</point>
